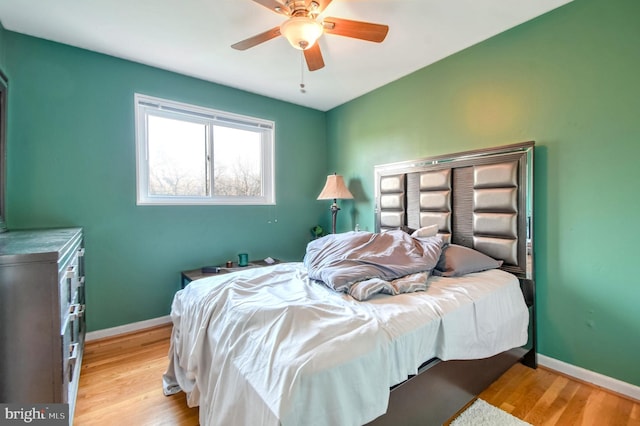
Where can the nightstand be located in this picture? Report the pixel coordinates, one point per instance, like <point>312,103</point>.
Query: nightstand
<point>209,271</point>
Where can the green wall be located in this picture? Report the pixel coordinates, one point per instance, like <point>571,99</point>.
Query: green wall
<point>570,81</point>
<point>71,162</point>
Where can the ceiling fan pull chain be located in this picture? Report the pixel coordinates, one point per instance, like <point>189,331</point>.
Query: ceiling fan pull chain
<point>302,89</point>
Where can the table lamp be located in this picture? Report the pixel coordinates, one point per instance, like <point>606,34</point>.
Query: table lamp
<point>334,189</point>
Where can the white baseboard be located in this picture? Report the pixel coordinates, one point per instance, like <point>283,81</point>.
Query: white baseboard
<point>588,376</point>
<point>127,328</point>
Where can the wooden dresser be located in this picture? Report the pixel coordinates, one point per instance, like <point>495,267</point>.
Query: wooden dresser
<point>42,322</point>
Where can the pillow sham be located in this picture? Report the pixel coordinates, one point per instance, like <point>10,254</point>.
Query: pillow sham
<point>457,260</point>
<point>426,231</point>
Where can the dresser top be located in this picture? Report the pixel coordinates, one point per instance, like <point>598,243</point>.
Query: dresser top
<point>43,243</point>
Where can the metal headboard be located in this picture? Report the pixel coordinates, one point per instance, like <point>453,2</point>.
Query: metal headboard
<point>480,199</point>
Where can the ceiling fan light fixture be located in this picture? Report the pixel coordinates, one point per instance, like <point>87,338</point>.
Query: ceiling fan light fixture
<point>301,31</point>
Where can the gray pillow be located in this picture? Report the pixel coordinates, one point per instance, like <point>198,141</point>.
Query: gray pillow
<point>458,260</point>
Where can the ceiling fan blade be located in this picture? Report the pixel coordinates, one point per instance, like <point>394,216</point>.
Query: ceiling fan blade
<point>275,6</point>
<point>257,39</point>
<point>313,56</point>
<point>356,29</point>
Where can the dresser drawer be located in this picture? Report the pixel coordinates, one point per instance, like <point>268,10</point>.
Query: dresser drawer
<point>81,294</point>
<point>72,338</point>
<point>71,279</point>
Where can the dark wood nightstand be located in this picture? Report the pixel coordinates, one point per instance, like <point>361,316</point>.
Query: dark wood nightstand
<point>210,271</point>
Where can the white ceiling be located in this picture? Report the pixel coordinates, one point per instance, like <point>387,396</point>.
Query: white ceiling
<point>193,37</point>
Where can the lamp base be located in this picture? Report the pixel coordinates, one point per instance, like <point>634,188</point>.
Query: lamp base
<point>334,215</point>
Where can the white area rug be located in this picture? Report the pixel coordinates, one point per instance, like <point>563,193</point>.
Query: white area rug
<point>481,413</point>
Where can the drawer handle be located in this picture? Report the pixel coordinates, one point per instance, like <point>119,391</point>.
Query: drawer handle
<point>74,312</point>
<point>71,272</point>
<point>81,252</point>
<point>73,352</point>
<point>73,357</point>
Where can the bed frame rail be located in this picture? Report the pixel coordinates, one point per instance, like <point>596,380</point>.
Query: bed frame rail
<point>434,397</point>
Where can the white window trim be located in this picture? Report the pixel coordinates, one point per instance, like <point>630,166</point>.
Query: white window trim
<point>201,114</point>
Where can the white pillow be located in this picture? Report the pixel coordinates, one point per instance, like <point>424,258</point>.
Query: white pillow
<point>426,231</point>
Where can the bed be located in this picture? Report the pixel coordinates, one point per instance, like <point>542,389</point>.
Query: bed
<point>403,325</point>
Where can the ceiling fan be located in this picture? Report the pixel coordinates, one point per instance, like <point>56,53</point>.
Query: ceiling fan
<point>302,29</point>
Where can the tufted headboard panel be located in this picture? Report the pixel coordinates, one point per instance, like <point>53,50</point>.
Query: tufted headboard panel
<point>392,200</point>
<point>480,199</point>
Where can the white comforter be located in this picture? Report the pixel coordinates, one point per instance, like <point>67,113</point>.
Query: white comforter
<point>268,346</point>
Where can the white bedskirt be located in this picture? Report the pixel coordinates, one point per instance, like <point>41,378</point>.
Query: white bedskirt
<point>267,346</point>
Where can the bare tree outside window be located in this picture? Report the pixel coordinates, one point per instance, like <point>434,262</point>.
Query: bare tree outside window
<point>237,168</point>
<point>192,155</point>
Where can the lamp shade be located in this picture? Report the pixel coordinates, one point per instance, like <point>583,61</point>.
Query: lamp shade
<point>334,188</point>
<point>302,32</point>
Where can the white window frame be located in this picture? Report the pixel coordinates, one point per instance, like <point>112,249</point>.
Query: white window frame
<point>147,104</point>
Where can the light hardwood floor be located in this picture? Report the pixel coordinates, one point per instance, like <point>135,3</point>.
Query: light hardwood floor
<point>121,383</point>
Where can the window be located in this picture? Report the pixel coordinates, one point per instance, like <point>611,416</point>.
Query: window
<point>193,155</point>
